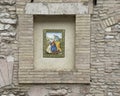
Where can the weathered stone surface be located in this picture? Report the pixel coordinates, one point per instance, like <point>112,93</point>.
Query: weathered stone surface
<point>11,95</point>
<point>6,71</point>
<point>105,53</point>
<point>6,15</point>
<point>88,95</point>
<point>56,8</point>
<point>7,27</point>
<point>3,95</point>
<point>8,21</point>
<point>2,27</point>
<point>58,92</point>
<point>36,91</point>
<point>109,29</point>
<point>10,59</point>
<point>12,91</point>
<point>8,34</point>
<point>109,37</point>
<point>9,2</point>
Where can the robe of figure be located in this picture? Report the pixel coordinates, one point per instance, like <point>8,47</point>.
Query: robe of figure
<point>48,50</point>
<point>53,47</point>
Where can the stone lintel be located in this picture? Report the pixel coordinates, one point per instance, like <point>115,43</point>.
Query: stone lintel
<point>56,8</point>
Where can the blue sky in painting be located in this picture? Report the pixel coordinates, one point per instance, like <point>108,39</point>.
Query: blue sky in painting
<point>51,34</point>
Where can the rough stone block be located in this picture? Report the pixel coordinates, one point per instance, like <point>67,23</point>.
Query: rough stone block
<point>9,2</point>
<point>2,27</point>
<point>7,15</point>
<point>6,71</point>
<point>8,21</point>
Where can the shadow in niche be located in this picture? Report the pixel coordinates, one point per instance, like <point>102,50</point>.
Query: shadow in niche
<point>32,1</point>
<point>94,2</point>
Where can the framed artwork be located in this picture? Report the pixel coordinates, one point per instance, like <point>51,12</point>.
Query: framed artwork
<point>53,43</point>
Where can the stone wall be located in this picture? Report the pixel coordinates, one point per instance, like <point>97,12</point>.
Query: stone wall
<point>105,49</point>
<point>105,55</point>
<point>8,41</point>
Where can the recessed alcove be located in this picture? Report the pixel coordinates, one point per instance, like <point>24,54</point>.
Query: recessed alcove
<point>54,22</point>
<point>72,65</point>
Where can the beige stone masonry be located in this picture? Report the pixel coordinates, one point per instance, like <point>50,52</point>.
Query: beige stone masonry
<point>27,72</point>
<point>81,73</point>
<point>61,1</point>
<point>108,22</point>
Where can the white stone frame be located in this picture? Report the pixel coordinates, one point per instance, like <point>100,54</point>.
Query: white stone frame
<point>81,73</point>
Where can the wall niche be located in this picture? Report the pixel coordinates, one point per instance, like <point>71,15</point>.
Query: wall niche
<point>54,42</point>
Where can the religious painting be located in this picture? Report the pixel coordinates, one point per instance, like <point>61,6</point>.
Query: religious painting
<point>53,43</point>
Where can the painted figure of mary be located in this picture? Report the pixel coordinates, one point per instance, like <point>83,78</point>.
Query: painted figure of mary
<point>53,47</point>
